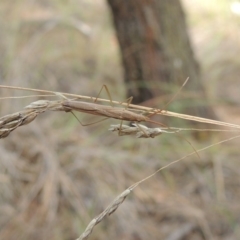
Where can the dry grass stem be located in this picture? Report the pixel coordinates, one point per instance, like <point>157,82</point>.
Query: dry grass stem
<point>182,158</point>
<point>119,199</point>
<point>10,122</point>
<point>108,211</point>
<point>132,106</point>
<point>139,130</point>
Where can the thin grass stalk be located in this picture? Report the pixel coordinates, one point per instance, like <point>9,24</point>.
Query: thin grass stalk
<point>132,106</point>
<point>120,198</point>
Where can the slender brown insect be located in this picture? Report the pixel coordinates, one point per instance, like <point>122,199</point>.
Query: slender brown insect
<point>108,112</point>
<point>105,111</point>
<point>118,112</point>
<point>114,112</point>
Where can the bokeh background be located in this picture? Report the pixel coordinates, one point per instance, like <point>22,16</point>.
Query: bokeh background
<point>55,175</point>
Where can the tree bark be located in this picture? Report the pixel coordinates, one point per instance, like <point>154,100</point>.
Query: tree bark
<point>156,51</point>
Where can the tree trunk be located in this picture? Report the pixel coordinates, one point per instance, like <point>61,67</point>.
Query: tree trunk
<point>156,51</point>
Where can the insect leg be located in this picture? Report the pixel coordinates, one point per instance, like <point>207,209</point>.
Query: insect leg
<point>129,100</point>
<point>107,91</point>
<point>88,124</point>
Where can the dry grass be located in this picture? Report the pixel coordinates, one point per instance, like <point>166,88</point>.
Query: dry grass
<point>119,200</point>
<point>56,176</point>
<point>11,122</point>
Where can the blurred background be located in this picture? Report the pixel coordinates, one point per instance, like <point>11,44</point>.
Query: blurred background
<point>56,176</point>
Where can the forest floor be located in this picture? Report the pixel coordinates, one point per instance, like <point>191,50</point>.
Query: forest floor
<point>56,176</point>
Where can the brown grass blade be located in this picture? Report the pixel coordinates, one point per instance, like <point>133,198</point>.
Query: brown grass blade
<point>132,106</point>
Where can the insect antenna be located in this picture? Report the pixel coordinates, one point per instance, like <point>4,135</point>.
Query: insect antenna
<point>170,101</point>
